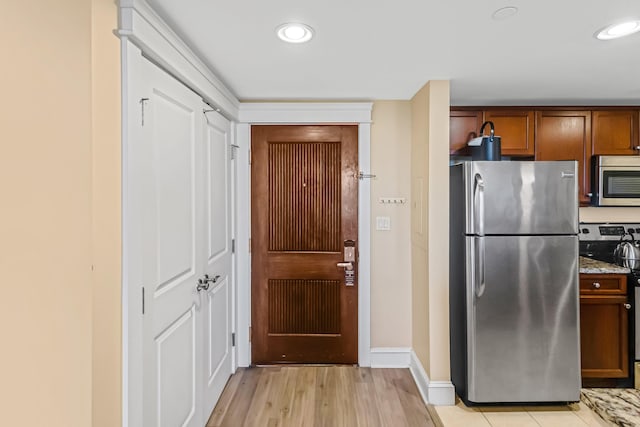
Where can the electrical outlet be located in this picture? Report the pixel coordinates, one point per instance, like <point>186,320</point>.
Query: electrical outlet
<point>392,200</point>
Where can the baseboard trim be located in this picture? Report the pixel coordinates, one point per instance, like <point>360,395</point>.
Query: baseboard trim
<point>390,357</point>
<point>439,393</point>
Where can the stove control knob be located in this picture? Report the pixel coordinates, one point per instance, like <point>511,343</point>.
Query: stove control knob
<point>637,230</point>
<point>638,281</point>
<point>631,230</point>
<point>585,231</point>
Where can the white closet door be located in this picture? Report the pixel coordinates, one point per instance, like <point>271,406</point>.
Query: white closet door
<point>217,312</point>
<point>172,252</point>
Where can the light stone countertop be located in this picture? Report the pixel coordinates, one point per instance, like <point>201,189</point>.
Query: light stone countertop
<point>592,266</point>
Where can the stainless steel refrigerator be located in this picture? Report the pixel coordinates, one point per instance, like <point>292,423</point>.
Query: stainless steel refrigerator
<point>514,297</point>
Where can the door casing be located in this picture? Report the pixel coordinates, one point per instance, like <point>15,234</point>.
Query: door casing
<point>295,114</point>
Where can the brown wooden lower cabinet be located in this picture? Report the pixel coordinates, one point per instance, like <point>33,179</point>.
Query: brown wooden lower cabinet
<point>604,323</point>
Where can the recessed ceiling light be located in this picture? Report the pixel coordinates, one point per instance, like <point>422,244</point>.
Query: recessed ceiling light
<point>615,31</point>
<point>504,13</point>
<point>294,32</point>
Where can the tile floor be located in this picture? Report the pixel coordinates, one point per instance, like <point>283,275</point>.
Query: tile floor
<point>574,415</point>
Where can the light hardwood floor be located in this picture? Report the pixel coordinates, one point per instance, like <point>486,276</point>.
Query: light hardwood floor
<point>336,396</point>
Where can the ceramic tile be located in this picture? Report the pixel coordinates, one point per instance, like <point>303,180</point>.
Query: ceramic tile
<point>558,418</point>
<point>572,415</point>
<point>588,416</point>
<point>509,419</point>
<point>461,416</point>
<point>552,408</point>
<point>502,408</point>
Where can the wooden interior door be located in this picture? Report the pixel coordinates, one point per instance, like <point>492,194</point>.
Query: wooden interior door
<point>304,206</point>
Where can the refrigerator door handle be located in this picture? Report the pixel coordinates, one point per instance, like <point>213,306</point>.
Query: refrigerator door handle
<point>480,282</point>
<point>478,204</point>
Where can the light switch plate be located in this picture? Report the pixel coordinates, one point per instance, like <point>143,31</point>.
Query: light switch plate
<point>383,223</point>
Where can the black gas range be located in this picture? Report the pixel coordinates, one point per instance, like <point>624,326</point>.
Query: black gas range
<point>598,241</point>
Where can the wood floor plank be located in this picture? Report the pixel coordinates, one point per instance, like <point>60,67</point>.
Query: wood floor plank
<point>387,400</point>
<point>284,393</point>
<point>220,411</point>
<point>345,413</point>
<point>325,390</point>
<point>260,412</point>
<point>320,396</point>
<point>239,400</point>
<point>414,408</point>
<point>303,405</point>
<point>364,401</point>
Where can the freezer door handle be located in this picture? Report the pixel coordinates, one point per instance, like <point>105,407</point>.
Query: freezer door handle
<point>480,282</point>
<point>478,204</point>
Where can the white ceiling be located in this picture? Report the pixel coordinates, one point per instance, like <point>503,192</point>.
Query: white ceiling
<point>372,49</point>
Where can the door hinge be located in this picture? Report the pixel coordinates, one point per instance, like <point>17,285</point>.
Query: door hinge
<point>234,147</point>
<point>143,300</point>
<point>250,156</point>
<point>142,101</point>
<point>233,339</point>
<point>250,333</point>
<point>249,245</point>
<point>233,246</point>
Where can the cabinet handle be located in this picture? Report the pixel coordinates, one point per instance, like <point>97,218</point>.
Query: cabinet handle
<point>627,306</point>
<point>637,147</point>
<point>596,285</point>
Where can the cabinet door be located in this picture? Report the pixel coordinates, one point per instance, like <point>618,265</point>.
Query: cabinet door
<point>516,130</point>
<point>615,132</point>
<point>566,135</point>
<point>463,126</point>
<point>604,339</point>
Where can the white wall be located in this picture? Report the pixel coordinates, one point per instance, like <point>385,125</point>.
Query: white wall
<point>430,228</point>
<point>45,227</point>
<point>390,250</point>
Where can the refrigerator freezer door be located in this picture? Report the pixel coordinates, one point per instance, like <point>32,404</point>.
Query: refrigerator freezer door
<point>523,319</point>
<point>507,198</point>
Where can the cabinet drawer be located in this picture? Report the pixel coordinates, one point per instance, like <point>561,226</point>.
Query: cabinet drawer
<point>603,284</point>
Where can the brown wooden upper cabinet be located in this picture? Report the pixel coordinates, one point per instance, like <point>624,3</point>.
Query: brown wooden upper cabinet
<point>615,132</point>
<point>515,127</point>
<point>463,126</point>
<point>516,130</point>
<point>566,135</point>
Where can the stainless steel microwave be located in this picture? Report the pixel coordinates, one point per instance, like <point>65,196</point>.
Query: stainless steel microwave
<point>615,180</point>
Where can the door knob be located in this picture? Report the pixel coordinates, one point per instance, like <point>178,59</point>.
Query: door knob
<point>208,279</point>
<point>627,306</point>
<point>203,285</point>
<point>596,285</point>
<point>347,265</point>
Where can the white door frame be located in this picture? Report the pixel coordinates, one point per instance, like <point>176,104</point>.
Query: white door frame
<point>304,113</point>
